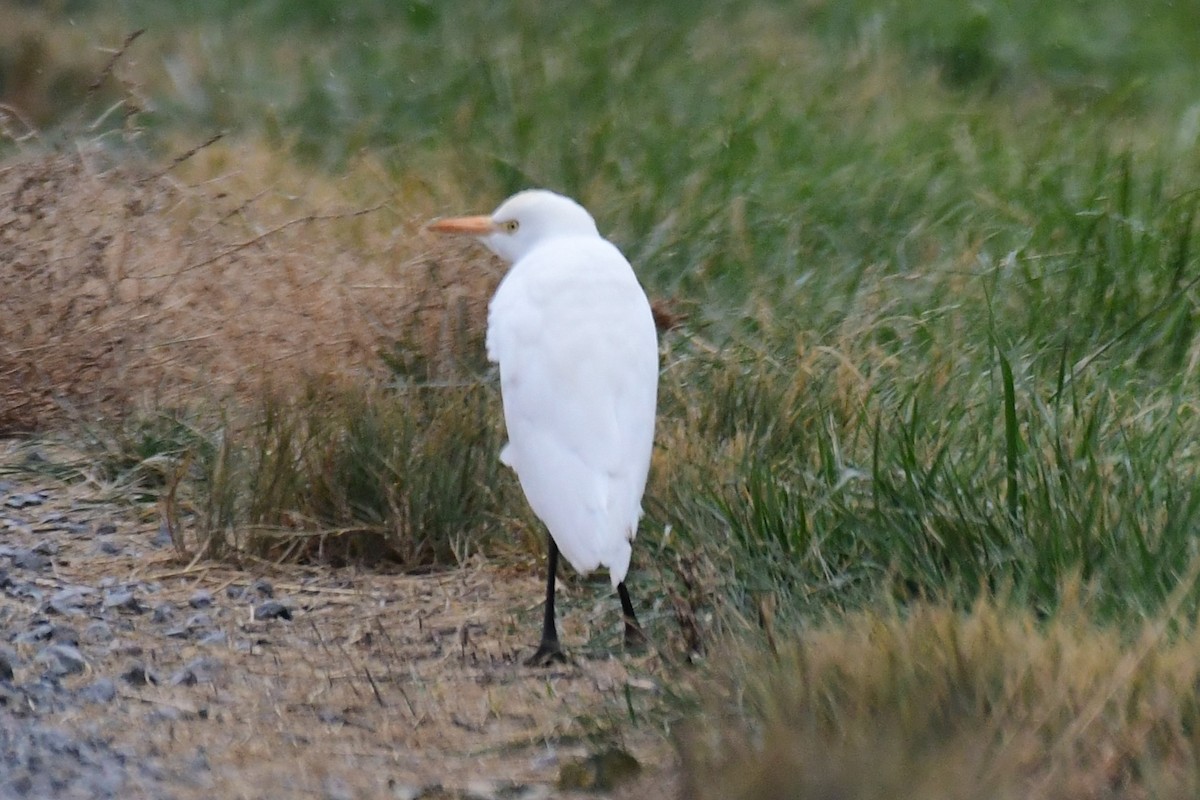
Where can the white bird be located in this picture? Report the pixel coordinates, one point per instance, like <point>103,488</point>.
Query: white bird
<point>575,339</point>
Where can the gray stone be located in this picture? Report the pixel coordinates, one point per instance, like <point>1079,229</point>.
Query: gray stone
<point>101,690</point>
<point>30,560</point>
<point>199,670</point>
<point>62,659</point>
<point>98,632</point>
<point>272,609</point>
<point>25,500</point>
<point>212,638</point>
<point>69,601</point>
<point>8,662</point>
<point>136,674</point>
<point>123,600</point>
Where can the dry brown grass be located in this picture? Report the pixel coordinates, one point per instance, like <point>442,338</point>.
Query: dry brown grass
<point>931,702</point>
<point>48,64</point>
<point>129,283</point>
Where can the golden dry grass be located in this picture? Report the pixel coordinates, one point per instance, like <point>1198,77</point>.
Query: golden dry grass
<point>937,703</point>
<point>127,283</point>
<point>47,64</point>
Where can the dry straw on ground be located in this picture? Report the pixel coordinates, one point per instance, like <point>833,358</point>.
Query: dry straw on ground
<point>227,273</point>
<point>940,704</point>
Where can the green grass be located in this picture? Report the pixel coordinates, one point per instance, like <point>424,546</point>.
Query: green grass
<point>938,258</point>
<point>933,479</point>
<point>406,475</point>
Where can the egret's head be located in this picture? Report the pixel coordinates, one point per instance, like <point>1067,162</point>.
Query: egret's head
<point>522,222</point>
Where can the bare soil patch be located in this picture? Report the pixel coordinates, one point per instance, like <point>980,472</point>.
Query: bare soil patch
<point>377,686</point>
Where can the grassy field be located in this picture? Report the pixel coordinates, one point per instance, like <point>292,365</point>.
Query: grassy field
<point>927,458</point>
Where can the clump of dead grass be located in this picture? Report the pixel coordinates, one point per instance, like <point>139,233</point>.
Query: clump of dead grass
<point>135,284</point>
<point>939,703</point>
<point>348,473</point>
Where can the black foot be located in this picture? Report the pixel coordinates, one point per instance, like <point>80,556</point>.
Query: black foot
<point>548,653</point>
<point>635,639</point>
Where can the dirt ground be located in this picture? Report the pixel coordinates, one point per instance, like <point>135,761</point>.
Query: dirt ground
<point>377,686</point>
<point>129,284</point>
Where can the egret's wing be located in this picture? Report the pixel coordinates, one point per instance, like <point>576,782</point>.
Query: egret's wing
<point>575,340</point>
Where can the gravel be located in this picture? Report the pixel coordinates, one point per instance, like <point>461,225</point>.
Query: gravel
<point>127,670</point>
<point>65,657</point>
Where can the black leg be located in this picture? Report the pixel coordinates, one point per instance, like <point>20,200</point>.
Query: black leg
<point>635,638</point>
<point>549,651</point>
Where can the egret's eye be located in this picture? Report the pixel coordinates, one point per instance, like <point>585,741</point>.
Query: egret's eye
<point>510,226</point>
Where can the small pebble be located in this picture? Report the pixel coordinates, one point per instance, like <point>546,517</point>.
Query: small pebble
<point>198,670</point>
<point>97,632</point>
<point>412,791</point>
<point>337,789</point>
<point>136,674</point>
<point>69,601</point>
<point>106,529</point>
<point>64,634</point>
<point>212,638</point>
<point>38,632</point>
<point>201,599</point>
<point>272,609</point>
<point>62,659</point>
<point>25,500</point>
<point>102,690</point>
<point>200,761</point>
<point>164,714</point>
<point>123,600</point>
<point>109,547</point>
<point>163,537</point>
<point>8,662</point>
<point>14,526</point>
<point>27,591</point>
<point>331,716</point>
<point>28,559</point>
<point>261,586</point>
<point>162,613</point>
<point>200,620</point>
<point>122,647</point>
<point>46,547</point>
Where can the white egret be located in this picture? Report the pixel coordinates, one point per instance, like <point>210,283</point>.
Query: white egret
<point>573,334</point>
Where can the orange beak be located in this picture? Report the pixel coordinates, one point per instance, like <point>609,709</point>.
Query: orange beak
<point>474,226</point>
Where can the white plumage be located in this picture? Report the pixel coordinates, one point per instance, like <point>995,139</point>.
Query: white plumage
<point>572,332</point>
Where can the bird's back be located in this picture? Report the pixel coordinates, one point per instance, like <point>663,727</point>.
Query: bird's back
<point>574,337</point>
